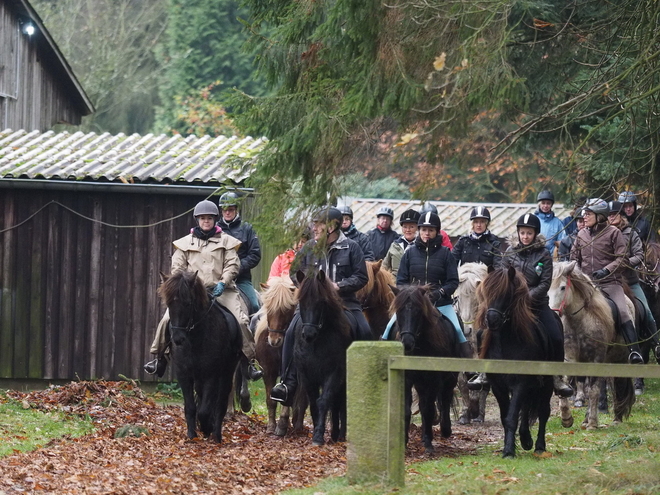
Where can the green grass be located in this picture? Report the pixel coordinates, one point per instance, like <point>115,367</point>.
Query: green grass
<point>618,459</point>
<point>22,430</point>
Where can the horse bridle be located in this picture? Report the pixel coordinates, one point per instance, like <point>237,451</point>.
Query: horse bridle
<point>502,314</point>
<point>562,304</point>
<point>190,326</point>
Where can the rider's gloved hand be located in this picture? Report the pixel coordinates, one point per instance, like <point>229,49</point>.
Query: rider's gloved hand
<point>218,289</point>
<point>436,295</point>
<point>598,274</point>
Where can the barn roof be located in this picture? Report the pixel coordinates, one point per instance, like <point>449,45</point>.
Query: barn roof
<point>120,158</point>
<point>455,217</point>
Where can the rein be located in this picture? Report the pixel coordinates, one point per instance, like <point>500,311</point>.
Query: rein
<point>562,305</point>
<point>190,326</point>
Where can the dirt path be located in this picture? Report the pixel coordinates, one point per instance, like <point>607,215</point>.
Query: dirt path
<point>249,460</point>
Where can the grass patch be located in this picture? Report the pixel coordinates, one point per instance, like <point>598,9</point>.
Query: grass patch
<point>23,430</point>
<point>616,459</point>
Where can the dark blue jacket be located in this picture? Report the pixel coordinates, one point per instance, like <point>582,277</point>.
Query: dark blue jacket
<point>430,264</point>
<point>363,241</point>
<point>249,251</point>
<point>642,226</point>
<point>472,249</point>
<point>381,240</point>
<point>343,263</point>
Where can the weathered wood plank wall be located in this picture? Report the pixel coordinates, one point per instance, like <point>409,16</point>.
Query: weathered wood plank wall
<point>77,297</point>
<point>33,94</point>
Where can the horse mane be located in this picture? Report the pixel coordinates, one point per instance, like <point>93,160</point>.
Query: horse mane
<point>584,288</point>
<point>497,285</point>
<point>314,291</point>
<point>377,290</point>
<point>182,281</point>
<point>416,295</point>
<point>279,296</point>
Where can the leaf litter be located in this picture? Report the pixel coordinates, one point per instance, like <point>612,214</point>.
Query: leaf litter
<point>163,460</point>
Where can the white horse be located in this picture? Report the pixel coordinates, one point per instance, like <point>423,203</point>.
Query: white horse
<point>589,337</point>
<point>470,276</point>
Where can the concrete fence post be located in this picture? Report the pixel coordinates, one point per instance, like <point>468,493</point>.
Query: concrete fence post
<point>375,409</point>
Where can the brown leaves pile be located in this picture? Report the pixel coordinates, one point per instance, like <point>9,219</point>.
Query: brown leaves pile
<point>248,461</point>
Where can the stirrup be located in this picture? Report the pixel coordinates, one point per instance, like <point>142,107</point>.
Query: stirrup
<point>635,358</point>
<point>156,367</point>
<point>478,382</point>
<point>279,393</point>
<point>656,353</point>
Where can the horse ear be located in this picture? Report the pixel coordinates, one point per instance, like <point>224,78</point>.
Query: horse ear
<point>395,289</point>
<point>263,286</point>
<point>300,276</point>
<point>511,273</point>
<point>163,277</point>
<point>321,276</point>
<point>377,265</point>
<point>491,269</point>
<point>570,267</point>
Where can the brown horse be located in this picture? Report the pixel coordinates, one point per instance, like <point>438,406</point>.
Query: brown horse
<point>279,299</point>
<point>376,297</point>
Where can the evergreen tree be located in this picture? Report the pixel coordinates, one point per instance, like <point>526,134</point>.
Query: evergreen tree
<point>203,47</point>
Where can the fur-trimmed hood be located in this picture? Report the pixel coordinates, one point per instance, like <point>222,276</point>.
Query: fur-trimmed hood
<point>538,243</point>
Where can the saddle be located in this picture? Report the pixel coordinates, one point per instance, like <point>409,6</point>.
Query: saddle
<point>358,332</point>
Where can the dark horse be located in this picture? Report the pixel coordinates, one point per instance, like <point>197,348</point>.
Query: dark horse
<point>512,332</point>
<point>322,337</point>
<point>424,332</point>
<point>206,346</point>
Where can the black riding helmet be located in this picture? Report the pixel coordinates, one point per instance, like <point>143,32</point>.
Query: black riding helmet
<point>429,219</point>
<point>480,212</point>
<point>545,194</point>
<point>409,216</point>
<point>346,210</point>
<point>615,207</point>
<point>328,215</point>
<point>529,220</point>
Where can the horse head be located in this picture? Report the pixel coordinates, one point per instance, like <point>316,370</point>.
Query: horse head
<point>418,320</point>
<point>279,303</point>
<point>187,301</point>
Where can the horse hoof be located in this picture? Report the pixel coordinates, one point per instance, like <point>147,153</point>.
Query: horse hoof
<point>567,423</point>
<point>246,403</point>
<point>578,403</point>
<point>280,432</point>
<point>591,427</point>
<point>463,420</point>
<point>429,450</point>
<point>526,443</point>
<point>639,391</point>
<point>508,455</point>
<point>539,452</point>
<point>316,443</point>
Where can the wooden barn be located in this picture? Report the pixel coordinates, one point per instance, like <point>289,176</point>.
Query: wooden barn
<point>37,87</point>
<point>86,224</point>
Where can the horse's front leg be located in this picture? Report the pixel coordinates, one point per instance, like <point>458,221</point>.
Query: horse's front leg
<point>446,396</point>
<point>207,404</point>
<point>544,413</point>
<point>464,418</point>
<point>313,396</point>
<point>408,403</point>
<point>427,397</point>
<point>591,415</point>
<point>224,391</point>
<point>329,394</point>
<point>189,407</point>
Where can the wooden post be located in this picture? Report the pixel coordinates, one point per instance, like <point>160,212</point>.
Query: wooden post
<point>375,429</point>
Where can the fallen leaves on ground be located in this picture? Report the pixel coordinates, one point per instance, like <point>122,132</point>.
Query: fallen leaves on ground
<point>249,460</point>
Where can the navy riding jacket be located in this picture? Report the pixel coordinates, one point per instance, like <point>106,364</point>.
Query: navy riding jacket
<point>363,241</point>
<point>477,249</point>
<point>381,240</point>
<point>249,251</point>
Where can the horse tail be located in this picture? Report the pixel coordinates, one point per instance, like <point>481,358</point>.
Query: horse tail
<point>623,396</point>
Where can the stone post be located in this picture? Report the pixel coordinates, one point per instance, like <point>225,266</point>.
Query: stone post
<point>375,409</point>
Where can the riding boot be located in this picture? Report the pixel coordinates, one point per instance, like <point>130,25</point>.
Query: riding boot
<point>285,391</point>
<point>655,344</point>
<point>465,350</point>
<point>561,388</point>
<point>253,371</point>
<point>629,334</point>
<point>478,382</point>
<point>157,366</point>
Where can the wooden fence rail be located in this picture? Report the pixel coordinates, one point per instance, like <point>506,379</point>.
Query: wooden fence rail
<point>375,400</point>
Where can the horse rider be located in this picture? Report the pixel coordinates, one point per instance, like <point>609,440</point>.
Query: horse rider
<point>632,265</point>
<point>600,250</point>
<point>567,242</point>
<point>570,222</point>
<point>350,231</point>
<point>249,253</point>
<point>382,236</point>
<point>343,262</point>
<point>428,262</point>
<point>281,265</point>
<point>428,206</point>
<point>480,245</point>
<point>552,228</point>
<point>211,253</point>
<point>634,215</point>
<point>528,255</point>
<point>408,221</point>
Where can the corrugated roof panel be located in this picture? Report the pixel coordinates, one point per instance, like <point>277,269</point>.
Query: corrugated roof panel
<point>146,158</point>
